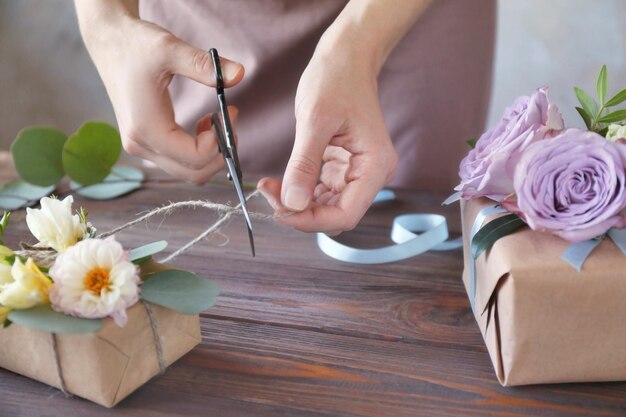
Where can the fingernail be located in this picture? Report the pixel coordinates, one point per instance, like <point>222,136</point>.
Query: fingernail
<point>296,198</point>
<point>231,71</point>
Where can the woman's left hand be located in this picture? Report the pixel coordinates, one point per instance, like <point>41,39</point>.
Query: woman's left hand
<point>342,154</point>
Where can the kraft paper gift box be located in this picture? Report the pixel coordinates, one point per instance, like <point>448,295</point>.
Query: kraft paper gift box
<point>543,321</point>
<point>107,366</point>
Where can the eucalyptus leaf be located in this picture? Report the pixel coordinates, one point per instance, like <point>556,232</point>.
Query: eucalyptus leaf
<point>601,85</point>
<point>618,98</point>
<point>90,153</point>
<point>45,318</point>
<point>472,142</point>
<point>586,101</point>
<point>37,154</point>
<point>613,117</point>
<point>179,290</point>
<point>122,180</point>
<point>21,194</point>
<point>585,116</point>
<point>494,230</point>
<point>146,251</point>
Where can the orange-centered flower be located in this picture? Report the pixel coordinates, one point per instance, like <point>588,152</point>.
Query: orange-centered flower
<point>94,278</point>
<point>97,280</point>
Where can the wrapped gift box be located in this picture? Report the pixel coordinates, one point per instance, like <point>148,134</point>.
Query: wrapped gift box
<point>542,321</point>
<point>103,367</point>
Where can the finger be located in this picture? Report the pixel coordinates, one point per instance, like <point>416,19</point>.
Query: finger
<point>195,176</point>
<point>197,65</point>
<point>303,168</point>
<point>270,189</point>
<point>344,215</point>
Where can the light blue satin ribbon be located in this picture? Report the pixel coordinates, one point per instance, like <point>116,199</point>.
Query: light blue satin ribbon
<point>413,234</point>
<point>577,253</point>
<point>476,226</point>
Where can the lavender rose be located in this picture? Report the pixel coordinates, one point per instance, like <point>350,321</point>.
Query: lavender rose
<point>488,169</point>
<point>573,185</point>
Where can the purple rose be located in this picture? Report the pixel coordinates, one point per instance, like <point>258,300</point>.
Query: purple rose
<point>573,185</point>
<point>488,169</point>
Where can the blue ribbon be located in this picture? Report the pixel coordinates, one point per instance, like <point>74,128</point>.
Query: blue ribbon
<point>577,253</point>
<point>478,223</point>
<point>413,234</point>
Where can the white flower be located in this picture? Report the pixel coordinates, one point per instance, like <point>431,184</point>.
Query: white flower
<point>54,225</point>
<point>616,132</point>
<point>23,285</point>
<point>94,279</point>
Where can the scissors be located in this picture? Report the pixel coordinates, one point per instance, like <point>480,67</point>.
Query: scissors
<point>226,144</point>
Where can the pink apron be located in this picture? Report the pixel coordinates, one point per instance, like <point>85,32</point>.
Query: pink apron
<point>434,88</point>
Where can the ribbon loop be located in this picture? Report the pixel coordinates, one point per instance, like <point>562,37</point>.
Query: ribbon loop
<point>413,234</point>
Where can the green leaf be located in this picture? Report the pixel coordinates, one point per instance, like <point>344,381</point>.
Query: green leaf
<point>182,291</point>
<point>613,117</point>
<point>494,230</point>
<point>20,194</point>
<point>44,318</point>
<point>4,222</point>
<point>586,101</point>
<point>143,253</point>
<point>618,98</point>
<point>37,155</point>
<point>603,132</point>
<point>601,85</point>
<point>90,153</point>
<point>472,142</point>
<point>121,180</point>
<point>586,116</point>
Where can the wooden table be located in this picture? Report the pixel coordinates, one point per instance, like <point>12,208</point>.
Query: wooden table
<point>295,333</point>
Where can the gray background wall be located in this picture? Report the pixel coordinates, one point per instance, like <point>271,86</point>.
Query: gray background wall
<point>46,76</point>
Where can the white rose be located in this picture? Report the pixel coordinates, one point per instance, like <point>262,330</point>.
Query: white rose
<point>95,279</point>
<point>54,225</point>
<point>616,132</point>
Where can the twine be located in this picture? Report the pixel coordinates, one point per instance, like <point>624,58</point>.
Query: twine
<point>155,335</point>
<point>47,256</point>
<point>57,365</point>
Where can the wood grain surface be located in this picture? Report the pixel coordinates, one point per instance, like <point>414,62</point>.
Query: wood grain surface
<point>295,333</point>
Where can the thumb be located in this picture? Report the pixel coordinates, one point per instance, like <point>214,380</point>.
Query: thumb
<point>197,65</point>
<point>303,168</point>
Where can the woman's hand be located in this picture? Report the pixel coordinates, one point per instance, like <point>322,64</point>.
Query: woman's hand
<point>342,155</point>
<point>136,61</point>
<point>341,140</point>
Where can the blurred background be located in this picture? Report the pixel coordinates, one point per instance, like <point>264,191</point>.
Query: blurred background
<point>47,78</point>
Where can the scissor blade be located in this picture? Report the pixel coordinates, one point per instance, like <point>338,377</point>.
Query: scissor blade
<point>242,200</point>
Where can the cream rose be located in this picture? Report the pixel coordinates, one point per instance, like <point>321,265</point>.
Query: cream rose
<point>54,225</point>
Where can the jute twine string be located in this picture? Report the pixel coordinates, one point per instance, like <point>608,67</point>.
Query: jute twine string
<point>46,257</point>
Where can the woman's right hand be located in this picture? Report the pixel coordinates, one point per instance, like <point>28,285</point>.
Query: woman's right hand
<point>136,61</point>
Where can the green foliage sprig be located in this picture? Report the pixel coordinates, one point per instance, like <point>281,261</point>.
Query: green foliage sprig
<point>43,156</point>
<point>597,115</point>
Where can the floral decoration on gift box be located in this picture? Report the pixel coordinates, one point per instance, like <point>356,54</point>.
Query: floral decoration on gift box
<point>72,278</point>
<point>566,181</point>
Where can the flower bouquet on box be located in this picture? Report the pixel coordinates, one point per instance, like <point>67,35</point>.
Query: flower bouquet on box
<point>85,315</point>
<point>544,211</point>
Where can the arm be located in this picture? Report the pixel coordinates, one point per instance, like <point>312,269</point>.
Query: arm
<point>342,154</point>
<point>136,61</point>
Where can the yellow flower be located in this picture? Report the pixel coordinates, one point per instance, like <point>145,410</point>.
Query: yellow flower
<point>23,285</point>
<point>54,225</point>
<point>4,313</point>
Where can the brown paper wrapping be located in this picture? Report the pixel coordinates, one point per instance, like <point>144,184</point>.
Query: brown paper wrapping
<point>542,321</point>
<point>103,367</point>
